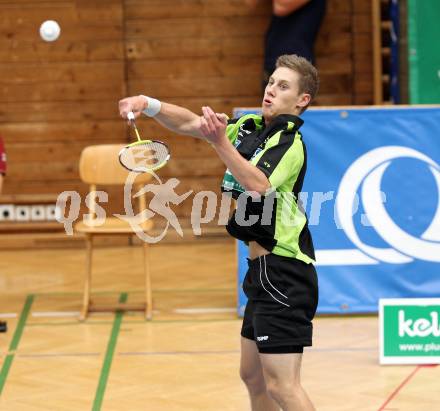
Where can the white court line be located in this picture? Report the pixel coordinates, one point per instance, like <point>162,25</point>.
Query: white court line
<point>60,314</point>
<point>8,315</point>
<point>56,314</point>
<point>146,353</point>
<point>204,310</point>
<point>60,354</point>
<point>40,314</point>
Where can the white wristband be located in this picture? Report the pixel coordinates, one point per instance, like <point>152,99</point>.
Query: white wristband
<point>153,106</point>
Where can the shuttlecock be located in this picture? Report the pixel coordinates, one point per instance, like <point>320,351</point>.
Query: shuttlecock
<point>50,30</point>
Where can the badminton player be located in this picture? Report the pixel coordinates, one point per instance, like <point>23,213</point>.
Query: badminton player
<point>265,156</point>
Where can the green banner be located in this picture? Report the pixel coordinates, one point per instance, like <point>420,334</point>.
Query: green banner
<point>410,331</point>
<point>423,51</point>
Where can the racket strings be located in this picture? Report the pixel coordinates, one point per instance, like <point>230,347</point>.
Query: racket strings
<point>146,156</point>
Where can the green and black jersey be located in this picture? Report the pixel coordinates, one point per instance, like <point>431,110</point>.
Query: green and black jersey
<point>276,221</point>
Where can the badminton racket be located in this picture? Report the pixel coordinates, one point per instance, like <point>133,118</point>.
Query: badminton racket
<point>143,156</point>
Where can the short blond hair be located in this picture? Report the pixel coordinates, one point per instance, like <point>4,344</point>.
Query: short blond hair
<point>308,75</point>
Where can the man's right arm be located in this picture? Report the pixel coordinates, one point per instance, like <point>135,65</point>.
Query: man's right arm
<point>179,120</point>
<point>282,8</point>
<point>175,118</point>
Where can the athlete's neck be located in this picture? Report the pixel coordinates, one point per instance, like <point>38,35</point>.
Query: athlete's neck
<point>268,119</point>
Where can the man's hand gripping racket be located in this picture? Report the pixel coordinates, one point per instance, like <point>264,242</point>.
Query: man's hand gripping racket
<point>143,156</point>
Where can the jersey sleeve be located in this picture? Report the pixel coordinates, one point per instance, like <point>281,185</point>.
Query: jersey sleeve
<point>249,121</point>
<point>282,159</point>
<point>232,129</point>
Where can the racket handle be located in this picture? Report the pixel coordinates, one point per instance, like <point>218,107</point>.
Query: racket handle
<point>130,116</point>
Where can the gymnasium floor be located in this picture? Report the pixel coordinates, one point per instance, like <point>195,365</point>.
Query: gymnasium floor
<point>186,359</point>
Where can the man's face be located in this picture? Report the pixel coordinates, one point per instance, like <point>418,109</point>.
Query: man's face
<point>281,94</point>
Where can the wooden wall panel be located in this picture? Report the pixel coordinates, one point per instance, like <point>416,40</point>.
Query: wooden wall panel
<point>57,98</point>
<point>25,51</point>
<point>194,53</point>
<point>362,52</point>
<point>53,111</point>
<point>156,9</point>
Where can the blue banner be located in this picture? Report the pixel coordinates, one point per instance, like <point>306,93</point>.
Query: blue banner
<point>372,197</point>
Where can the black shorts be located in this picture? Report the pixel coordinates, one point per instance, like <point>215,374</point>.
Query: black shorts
<point>282,297</point>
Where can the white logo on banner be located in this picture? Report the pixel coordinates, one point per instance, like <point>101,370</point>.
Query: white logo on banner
<point>366,173</point>
<point>421,327</point>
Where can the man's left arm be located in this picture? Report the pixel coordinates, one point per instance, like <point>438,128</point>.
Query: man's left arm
<point>249,176</point>
<point>281,162</point>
